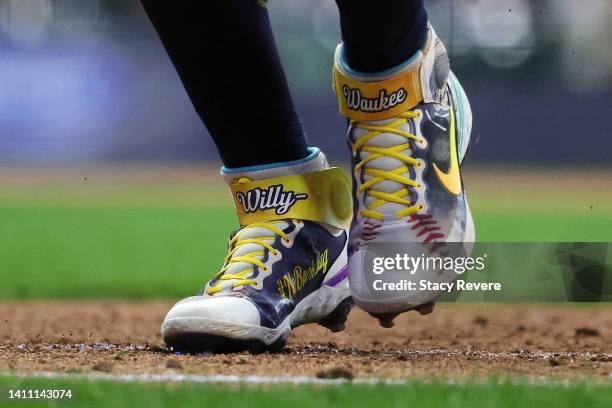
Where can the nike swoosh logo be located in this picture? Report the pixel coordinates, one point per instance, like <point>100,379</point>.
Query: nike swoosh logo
<point>451,180</point>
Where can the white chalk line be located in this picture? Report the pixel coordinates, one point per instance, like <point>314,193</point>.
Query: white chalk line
<point>278,380</point>
<point>212,379</point>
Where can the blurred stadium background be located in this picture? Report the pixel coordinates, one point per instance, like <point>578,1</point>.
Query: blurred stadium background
<point>88,80</point>
<point>109,185</point>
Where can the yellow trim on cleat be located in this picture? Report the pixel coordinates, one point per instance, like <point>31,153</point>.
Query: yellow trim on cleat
<point>361,100</point>
<point>451,179</point>
<point>323,196</point>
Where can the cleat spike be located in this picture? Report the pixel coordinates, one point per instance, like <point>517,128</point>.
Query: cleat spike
<point>336,320</point>
<point>385,319</point>
<point>425,309</point>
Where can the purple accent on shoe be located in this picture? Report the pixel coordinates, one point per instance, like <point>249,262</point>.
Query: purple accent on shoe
<point>337,278</point>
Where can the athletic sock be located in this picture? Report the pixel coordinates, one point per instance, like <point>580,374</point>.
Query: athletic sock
<point>226,57</point>
<point>315,161</point>
<point>381,35</point>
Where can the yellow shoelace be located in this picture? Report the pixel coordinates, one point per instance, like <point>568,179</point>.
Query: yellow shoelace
<point>378,175</point>
<point>242,277</point>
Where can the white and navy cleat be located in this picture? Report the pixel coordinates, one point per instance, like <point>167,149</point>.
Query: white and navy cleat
<point>286,265</point>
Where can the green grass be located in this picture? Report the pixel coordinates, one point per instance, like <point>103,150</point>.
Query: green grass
<point>489,394</point>
<point>85,252</point>
<point>63,252</point>
<point>538,227</point>
<point>63,237</point>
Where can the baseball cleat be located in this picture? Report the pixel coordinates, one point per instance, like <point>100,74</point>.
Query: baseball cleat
<point>286,265</point>
<point>409,130</point>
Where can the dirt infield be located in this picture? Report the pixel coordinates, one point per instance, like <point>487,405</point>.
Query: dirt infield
<point>456,341</point>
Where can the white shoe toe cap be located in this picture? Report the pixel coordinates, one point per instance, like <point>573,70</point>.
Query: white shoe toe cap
<point>226,309</point>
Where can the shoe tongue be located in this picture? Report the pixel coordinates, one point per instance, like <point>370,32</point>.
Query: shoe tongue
<point>385,163</point>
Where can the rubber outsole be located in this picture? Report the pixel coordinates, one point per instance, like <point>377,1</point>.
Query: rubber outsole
<point>196,342</point>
